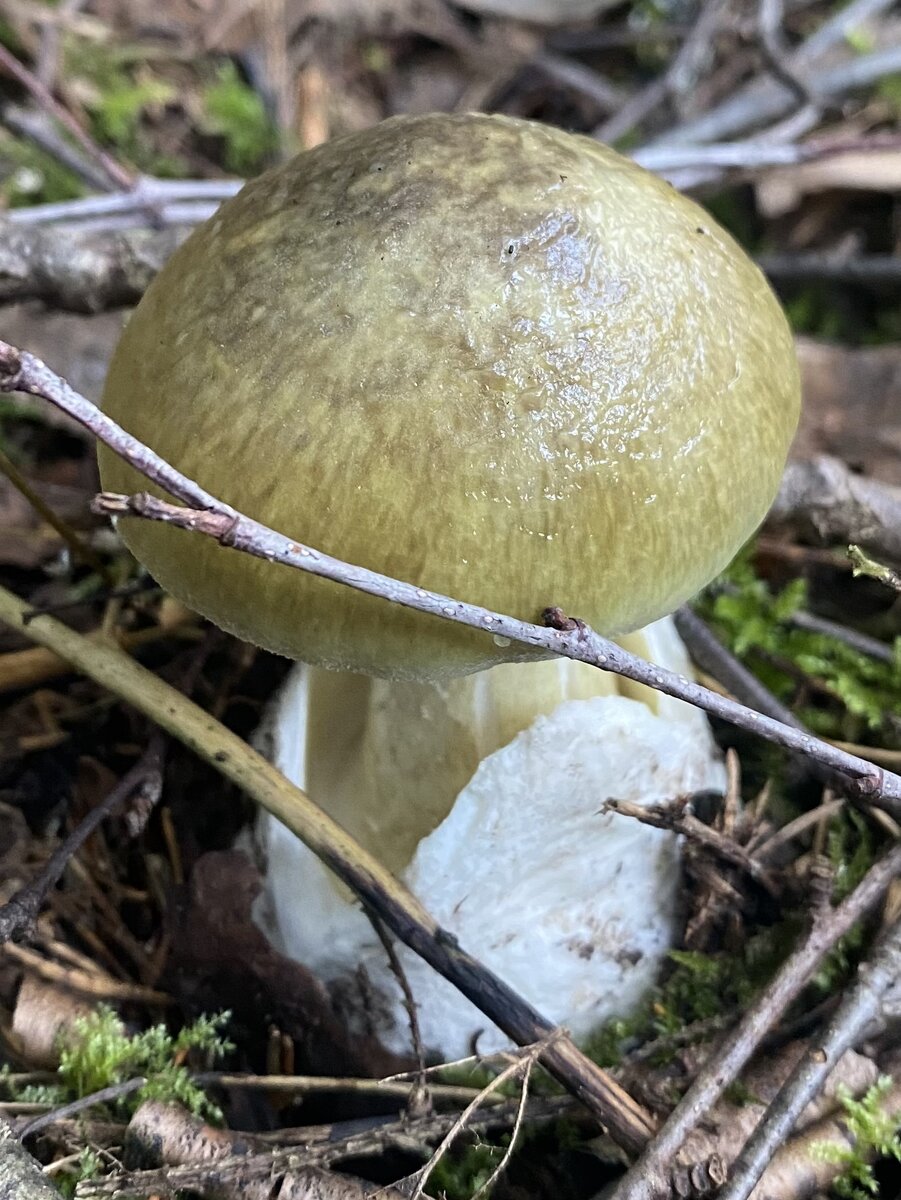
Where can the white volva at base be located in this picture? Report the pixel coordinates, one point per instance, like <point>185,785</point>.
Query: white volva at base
<point>574,909</point>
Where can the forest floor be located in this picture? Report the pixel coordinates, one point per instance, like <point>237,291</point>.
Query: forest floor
<point>152,1041</point>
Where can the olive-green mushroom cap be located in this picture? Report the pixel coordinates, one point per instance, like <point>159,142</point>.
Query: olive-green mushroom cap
<point>478,354</point>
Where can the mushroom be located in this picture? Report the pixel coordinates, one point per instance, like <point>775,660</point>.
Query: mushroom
<point>484,793</point>
<point>479,354</point>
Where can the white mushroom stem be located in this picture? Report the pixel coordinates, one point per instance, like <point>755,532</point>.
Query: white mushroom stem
<point>484,793</point>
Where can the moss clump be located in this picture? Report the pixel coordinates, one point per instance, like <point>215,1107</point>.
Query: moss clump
<point>874,1131</point>
<point>850,696</point>
<point>99,1053</point>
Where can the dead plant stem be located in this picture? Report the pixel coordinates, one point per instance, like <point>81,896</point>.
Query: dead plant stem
<point>629,1124</point>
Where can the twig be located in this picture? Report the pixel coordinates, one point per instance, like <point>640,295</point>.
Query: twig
<point>822,499</point>
<point>719,662</point>
<point>646,1180</point>
<point>863,1005</point>
<point>869,270</point>
<point>567,71</point>
<point>864,565</point>
<point>815,816</point>
<point>418,1095</point>
<point>220,1164</point>
<point>99,986</point>
<point>680,71</point>
<point>48,59</point>
<point>27,668</point>
<point>117,175</point>
<point>755,153</point>
<point>18,915</point>
<point>797,1171</point>
<point>861,642</point>
<point>770,14</point>
<point>630,1125</point>
<point>712,656</point>
<point>114,1092</point>
<point>302,1085</point>
<point>485,1188</point>
<point>706,1156</point>
<point>20,1176</point>
<point>765,100</point>
<point>313,1146</point>
<point>39,128</point>
<point>172,201</point>
<point>679,819</point>
<point>21,371</point>
<point>524,1062</point>
<point>571,639</point>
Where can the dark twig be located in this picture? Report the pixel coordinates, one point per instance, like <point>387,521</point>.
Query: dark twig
<point>646,1180</point>
<point>712,656</point>
<point>38,127</point>
<point>680,819</point>
<point>861,642</point>
<point>573,74</point>
<point>81,550</point>
<point>629,1124</point>
<point>678,75</point>
<point>317,1146</point>
<point>776,54</point>
<point>867,270</point>
<point>863,1006</point>
<point>419,1094</point>
<point>116,1091</point>
<point>117,175</point>
<point>21,371</point>
<point>18,915</point>
<point>136,587</point>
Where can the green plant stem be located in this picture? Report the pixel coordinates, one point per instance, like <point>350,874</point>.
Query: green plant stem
<point>628,1123</point>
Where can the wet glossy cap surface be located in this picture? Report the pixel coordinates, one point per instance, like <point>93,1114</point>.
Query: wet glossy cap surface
<point>473,352</point>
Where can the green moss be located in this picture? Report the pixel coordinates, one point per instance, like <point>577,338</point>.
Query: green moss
<point>461,1172</point>
<point>855,694</point>
<point>810,310</point>
<point>698,988</point>
<point>120,89</point>
<point>874,1131</point>
<point>99,1053</point>
<point>236,113</point>
<point>88,1166</point>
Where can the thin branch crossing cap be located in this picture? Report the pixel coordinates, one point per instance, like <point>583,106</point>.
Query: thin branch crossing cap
<point>475,353</point>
